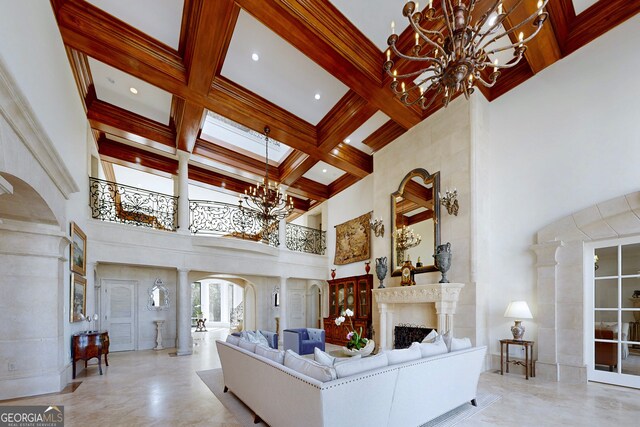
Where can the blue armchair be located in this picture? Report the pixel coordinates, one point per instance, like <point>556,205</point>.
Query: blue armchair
<point>303,340</point>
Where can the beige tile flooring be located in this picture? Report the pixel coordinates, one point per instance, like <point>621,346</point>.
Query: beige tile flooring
<point>150,388</point>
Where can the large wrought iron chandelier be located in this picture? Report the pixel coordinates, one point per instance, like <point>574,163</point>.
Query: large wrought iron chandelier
<point>452,49</point>
<point>266,198</point>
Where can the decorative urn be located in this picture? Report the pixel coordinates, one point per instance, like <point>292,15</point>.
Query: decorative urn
<point>443,260</point>
<point>381,269</point>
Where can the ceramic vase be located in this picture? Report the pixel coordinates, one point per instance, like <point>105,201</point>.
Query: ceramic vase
<point>443,260</point>
<point>333,273</point>
<point>381,269</point>
<point>367,267</point>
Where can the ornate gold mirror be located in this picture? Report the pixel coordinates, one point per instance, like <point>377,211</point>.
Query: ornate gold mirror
<point>415,220</point>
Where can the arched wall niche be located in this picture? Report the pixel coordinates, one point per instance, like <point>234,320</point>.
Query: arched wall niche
<point>560,282</point>
<point>24,203</point>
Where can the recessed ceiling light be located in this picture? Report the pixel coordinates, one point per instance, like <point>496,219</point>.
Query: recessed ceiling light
<point>317,96</point>
<point>133,90</point>
<point>324,171</point>
<point>255,56</point>
<point>224,185</point>
<point>346,141</point>
<point>138,160</point>
<point>335,151</point>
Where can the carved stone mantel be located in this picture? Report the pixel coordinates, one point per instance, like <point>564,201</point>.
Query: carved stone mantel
<point>443,295</point>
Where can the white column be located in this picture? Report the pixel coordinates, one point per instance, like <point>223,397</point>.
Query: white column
<point>383,325</point>
<point>183,314</point>
<point>91,284</point>
<point>445,311</point>
<point>283,306</point>
<point>183,192</point>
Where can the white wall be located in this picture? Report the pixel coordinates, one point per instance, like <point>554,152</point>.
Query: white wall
<point>564,140</point>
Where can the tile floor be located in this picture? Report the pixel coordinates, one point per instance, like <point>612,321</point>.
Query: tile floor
<point>151,388</point>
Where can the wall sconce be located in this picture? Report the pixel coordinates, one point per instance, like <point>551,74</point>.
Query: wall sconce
<point>450,201</point>
<point>378,227</point>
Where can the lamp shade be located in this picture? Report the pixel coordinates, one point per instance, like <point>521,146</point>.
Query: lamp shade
<point>518,310</point>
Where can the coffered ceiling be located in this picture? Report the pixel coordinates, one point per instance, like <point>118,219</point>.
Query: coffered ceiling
<point>210,75</point>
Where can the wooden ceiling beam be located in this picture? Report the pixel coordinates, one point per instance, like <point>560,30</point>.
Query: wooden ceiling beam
<point>351,112</point>
<point>597,20</point>
<point>310,189</point>
<point>328,38</point>
<point>233,158</point>
<point>117,121</point>
<point>100,35</point>
<point>109,149</point>
<point>294,166</point>
<point>386,133</point>
<point>189,126</point>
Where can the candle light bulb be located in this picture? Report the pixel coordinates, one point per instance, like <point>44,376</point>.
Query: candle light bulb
<point>417,7</point>
<point>417,39</point>
<point>521,37</point>
<point>395,73</point>
<point>393,27</point>
<point>430,4</point>
<point>388,54</point>
<point>500,9</point>
<point>403,90</point>
<point>495,63</point>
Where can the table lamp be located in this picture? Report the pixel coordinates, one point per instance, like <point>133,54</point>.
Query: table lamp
<point>518,310</point>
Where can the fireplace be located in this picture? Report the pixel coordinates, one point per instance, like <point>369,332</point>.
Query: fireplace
<point>404,335</point>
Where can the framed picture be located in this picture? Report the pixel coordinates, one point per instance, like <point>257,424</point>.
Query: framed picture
<point>78,298</point>
<point>78,250</point>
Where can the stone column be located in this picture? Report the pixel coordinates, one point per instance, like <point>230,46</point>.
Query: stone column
<point>382,308</point>
<point>547,365</point>
<point>183,192</point>
<point>283,306</point>
<point>282,233</point>
<point>183,313</point>
<point>445,311</point>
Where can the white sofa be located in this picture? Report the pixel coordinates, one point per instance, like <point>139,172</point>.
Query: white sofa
<point>405,394</point>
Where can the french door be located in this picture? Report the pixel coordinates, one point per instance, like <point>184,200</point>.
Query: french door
<point>612,327</point>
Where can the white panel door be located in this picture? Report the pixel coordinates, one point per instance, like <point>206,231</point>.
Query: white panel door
<point>119,318</point>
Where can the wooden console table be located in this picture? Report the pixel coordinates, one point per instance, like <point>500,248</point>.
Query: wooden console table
<point>87,345</point>
<point>528,363</point>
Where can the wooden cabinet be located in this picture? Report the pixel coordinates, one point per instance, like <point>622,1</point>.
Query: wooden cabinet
<point>87,345</point>
<point>353,293</point>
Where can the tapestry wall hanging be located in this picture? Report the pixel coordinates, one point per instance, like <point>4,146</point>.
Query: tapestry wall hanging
<point>353,240</point>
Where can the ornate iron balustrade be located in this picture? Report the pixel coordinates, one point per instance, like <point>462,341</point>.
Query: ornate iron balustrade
<point>114,202</point>
<point>224,219</point>
<point>305,239</point>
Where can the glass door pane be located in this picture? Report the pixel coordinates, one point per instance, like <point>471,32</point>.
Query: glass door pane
<point>351,296</point>
<point>363,299</point>
<point>332,300</point>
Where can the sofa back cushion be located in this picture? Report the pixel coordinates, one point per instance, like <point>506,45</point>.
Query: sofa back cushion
<point>404,354</point>
<point>308,367</point>
<point>233,339</point>
<point>270,353</point>
<point>346,369</point>
<point>460,343</point>
<point>247,345</point>
<point>433,349</point>
<point>326,359</point>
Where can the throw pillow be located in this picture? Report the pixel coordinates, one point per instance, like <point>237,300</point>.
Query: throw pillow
<point>247,345</point>
<point>232,339</point>
<point>404,354</point>
<point>250,336</point>
<point>346,369</point>
<point>326,359</point>
<point>447,339</point>
<point>270,353</point>
<point>308,367</point>
<point>431,337</point>
<point>262,340</point>
<point>429,349</point>
<point>460,343</point>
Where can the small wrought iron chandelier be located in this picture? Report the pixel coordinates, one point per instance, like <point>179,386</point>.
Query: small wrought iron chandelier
<point>266,197</point>
<point>406,239</point>
<point>452,49</point>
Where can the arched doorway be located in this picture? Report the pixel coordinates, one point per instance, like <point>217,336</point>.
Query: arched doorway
<point>314,306</point>
<point>225,301</point>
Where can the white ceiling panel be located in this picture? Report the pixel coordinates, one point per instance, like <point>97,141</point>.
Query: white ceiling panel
<point>282,75</point>
<point>367,128</point>
<point>373,19</point>
<point>160,19</point>
<point>217,128</point>
<point>113,86</point>
<point>581,5</point>
<point>323,173</point>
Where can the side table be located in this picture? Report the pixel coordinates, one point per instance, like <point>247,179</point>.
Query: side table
<point>528,363</point>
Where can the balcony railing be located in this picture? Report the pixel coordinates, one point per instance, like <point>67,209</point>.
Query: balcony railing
<point>227,220</point>
<point>114,202</point>
<point>130,205</point>
<point>305,239</point>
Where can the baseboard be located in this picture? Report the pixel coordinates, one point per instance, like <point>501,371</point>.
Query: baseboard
<point>32,385</point>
